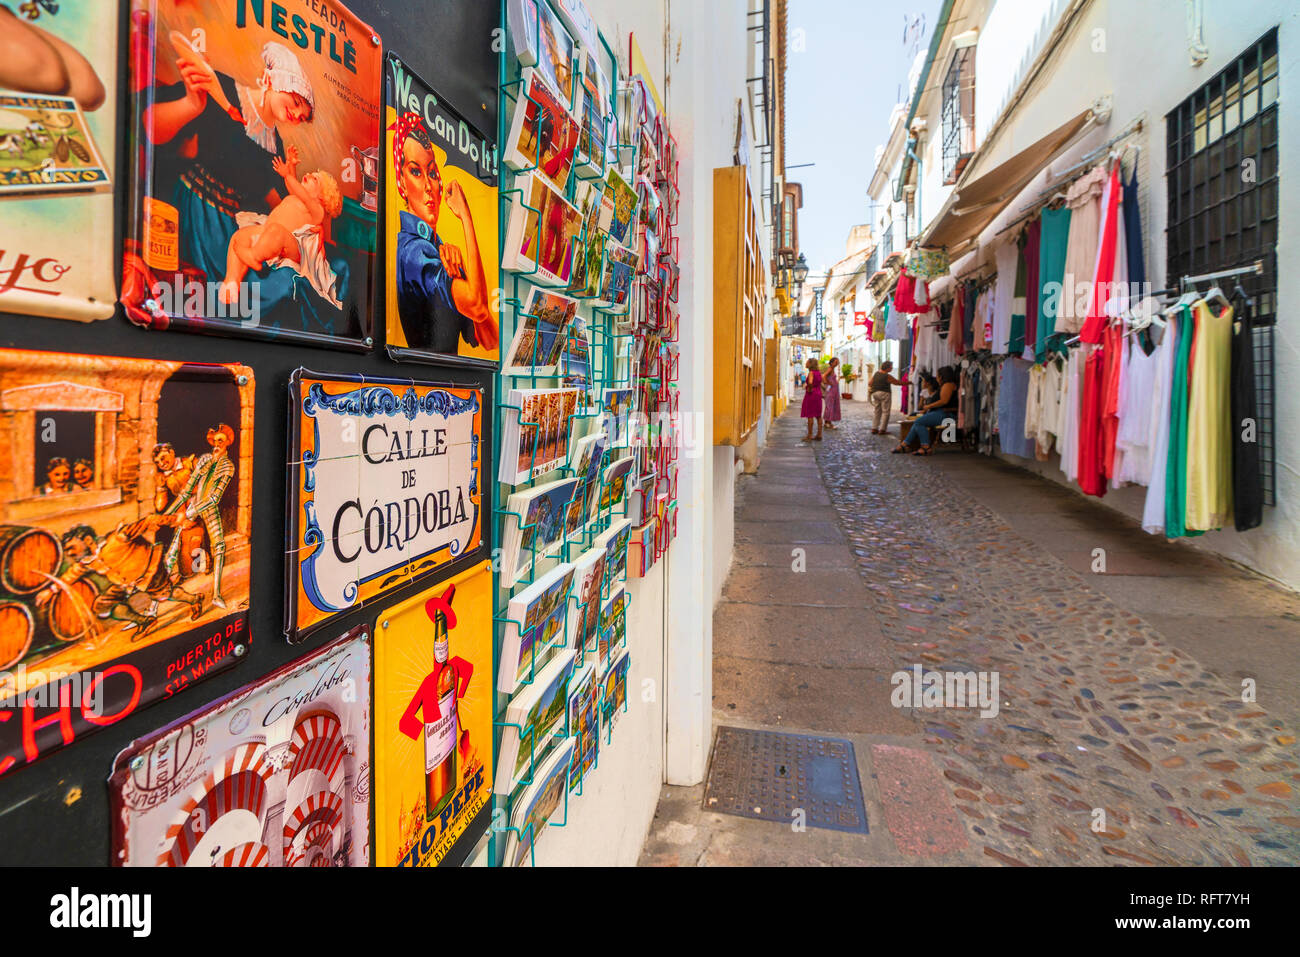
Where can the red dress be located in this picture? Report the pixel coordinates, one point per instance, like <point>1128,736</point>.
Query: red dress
<point>812,397</point>
<point>1091,478</point>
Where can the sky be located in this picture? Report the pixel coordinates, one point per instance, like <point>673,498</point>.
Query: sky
<point>847,68</point>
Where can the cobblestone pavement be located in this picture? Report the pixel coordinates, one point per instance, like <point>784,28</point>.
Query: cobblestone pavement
<point>1098,710</point>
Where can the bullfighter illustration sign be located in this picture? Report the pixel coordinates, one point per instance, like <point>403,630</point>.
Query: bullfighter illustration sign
<point>276,774</point>
<point>384,488</point>
<point>441,227</point>
<point>254,207</point>
<point>127,488</point>
<point>58,143</point>
<point>433,719</point>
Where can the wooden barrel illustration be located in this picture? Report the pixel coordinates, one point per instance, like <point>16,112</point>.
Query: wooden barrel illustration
<point>27,555</point>
<point>16,629</point>
<point>71,611</point>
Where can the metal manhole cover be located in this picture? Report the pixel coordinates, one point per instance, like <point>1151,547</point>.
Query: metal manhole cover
<point>769,776</point>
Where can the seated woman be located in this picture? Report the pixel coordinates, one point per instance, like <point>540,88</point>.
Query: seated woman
<point>929,389</point>
<point>933,413</point>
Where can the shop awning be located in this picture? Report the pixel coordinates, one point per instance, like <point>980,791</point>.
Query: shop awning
<point>975,204</point>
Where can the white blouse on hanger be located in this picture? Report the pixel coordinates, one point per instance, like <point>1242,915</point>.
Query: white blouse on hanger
<point>1153,514</point>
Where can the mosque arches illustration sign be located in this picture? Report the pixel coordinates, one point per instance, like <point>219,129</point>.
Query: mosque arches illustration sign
<point>275,774</point>
<point>384,488</point>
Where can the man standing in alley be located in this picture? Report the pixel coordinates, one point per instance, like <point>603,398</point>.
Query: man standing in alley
<point>882,397</point>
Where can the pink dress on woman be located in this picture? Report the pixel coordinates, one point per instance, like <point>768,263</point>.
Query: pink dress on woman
<point>832,410</point>
<point>812,397</point>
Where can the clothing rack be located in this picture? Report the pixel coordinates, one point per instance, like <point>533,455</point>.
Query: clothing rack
<point>1090,159</point>
<point>1071,174</point>
<point>1257,268</point>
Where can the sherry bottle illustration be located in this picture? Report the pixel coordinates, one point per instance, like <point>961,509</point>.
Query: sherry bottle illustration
<point>438,702</point>
<point>440,734</point>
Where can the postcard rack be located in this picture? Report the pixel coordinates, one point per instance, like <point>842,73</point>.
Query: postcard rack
<point>603,332</point>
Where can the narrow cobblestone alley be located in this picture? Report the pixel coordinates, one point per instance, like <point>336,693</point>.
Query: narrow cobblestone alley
<point>1119,691</point>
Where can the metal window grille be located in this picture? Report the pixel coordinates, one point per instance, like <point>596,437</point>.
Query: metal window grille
<point>1222,181</point>
<point>958,114</point>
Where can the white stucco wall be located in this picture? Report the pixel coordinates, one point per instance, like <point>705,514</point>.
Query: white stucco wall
<point>698,59</point>
<point>1138,54</point>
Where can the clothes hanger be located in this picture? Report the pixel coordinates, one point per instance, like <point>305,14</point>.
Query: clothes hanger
<point>1239,293</point>
<point>1216,295</point>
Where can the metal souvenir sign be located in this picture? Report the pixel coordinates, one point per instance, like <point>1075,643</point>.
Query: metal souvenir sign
<point>254,207</point>
<point>127,495</point>
<point>276,774</point>
<point>384,488</point>
<point>58,145</point>
<point>433,720</point>
<point>440,226</point>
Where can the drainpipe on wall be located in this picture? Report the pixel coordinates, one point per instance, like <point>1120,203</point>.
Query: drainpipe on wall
<point>920,174</point>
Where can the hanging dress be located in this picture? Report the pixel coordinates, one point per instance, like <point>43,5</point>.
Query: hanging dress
<point>1209,422</point>
<point>1247,481</point>
<point>1071,406</point>
<point>1031,252</point>
<point>1136,407</point>
<point>1154,513</point>
<point>1091,478</point>
<point>1054,233</point>
<point>1104,273</point>
<point>1016,330</point>
<point>1113,343</point>
<point>1133,232</point>
<point>1084,201</point>
<point>1176,464</point>
<point>1006,258</point>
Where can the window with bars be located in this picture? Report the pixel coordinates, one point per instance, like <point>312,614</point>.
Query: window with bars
<point>1222,182</point>
<point>958,114</point>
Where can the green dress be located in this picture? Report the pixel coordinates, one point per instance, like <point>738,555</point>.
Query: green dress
<point>1051,276</point>
<point>1176,464</point>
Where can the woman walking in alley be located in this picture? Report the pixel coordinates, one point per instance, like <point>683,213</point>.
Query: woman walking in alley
<point>831,395</point>
<point>882,397</point>
<point>812,401</point>
<point>943,407</point>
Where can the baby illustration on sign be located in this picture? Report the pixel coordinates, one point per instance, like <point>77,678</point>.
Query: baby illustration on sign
<point>442,293</point>
<point>290,235</point>
<point>216,142</point>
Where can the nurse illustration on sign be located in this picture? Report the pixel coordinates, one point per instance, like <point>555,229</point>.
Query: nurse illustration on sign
<point>220,142</point>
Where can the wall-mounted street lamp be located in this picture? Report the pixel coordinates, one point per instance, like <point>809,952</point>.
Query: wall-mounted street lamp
<point>801,270</point>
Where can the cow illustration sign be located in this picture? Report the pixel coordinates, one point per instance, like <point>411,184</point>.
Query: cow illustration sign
<point>276,774</point>
<point>127,491</point>
<point>58,143</point>
<point>384,486</point>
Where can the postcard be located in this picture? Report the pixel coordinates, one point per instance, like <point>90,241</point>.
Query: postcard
<point>584,722</point>
<point>536,616</point>
<point>543,133</point>
<point>543,232</point>
<point>540,334</point>
<point>618,208</point>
